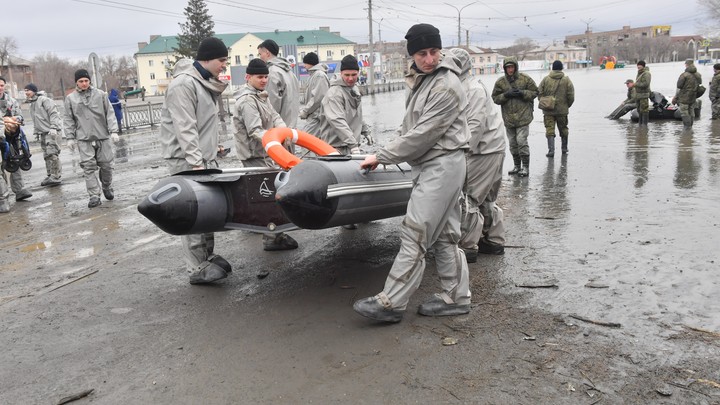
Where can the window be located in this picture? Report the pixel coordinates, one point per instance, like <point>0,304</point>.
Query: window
<point>167,74</point>
<point>329,54</point>
<point>237,59</point>
<point>251,57</point>
<point>152,76</point>
<point>302,55</point>
<point>150,62</point>
<point>342,52</point>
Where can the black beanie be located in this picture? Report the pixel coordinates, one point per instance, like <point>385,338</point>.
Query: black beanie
<point>422,36</point>
<point>80,73</point>
<point>257,67</point>
<point>211,48</point>
<point>311,59</point>
<point>716,66</point>
<point>557,65</point>
<point>270,45</point>
<point>349,62</point>
<point>31,87</point>
<point>641,63</point>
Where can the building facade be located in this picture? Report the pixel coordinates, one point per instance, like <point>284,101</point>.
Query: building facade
<point>572,57</point>
<point>156,58</point>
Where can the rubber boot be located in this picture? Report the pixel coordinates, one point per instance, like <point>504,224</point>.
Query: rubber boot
<point>645,118</point>
<point>525,170</point>
<point>551,146</point>
<point>516,169</point>
<point>564,144</point>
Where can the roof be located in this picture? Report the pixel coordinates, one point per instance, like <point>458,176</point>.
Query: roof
<point>311,37</point>
<point>159,44</point>
<point>163,44</point>
<point>15,61</point>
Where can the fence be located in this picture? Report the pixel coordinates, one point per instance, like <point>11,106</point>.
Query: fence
<point>141,115</point>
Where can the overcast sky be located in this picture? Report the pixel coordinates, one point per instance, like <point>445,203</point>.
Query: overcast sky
<point>74,28</point>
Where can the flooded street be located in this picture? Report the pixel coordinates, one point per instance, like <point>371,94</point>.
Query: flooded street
<point>625,227</point>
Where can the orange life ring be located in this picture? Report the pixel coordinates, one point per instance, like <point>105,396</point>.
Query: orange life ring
<point>273,143</point>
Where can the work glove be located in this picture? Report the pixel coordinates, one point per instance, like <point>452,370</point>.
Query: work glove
<point>355,151</point>
<point>71,144</point>
<point>115,137</point>
<point>517,93</point>
<point>53,133</point>
<point>303,115</point>
<point>674,100</point>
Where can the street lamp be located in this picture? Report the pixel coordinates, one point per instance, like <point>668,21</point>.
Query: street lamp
<point>459,10</point>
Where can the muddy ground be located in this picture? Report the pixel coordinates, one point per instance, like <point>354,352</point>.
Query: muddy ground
<point>625,227</point>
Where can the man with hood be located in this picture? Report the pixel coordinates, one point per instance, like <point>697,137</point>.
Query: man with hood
<point>557,85</point>
<point>11,120</point>
<point>642,92</point>
<point>254,115</point>
<point>47,126</point>
<point>90,124</point>
<point>515,92</point>
<point>714,92</point>
<point>315,90</point>
<point>282,88</point>
<point>686,92</point>
<point>483,227</point>
<point>189,139</point>
<point>342,119</point>
<point>433,139</point>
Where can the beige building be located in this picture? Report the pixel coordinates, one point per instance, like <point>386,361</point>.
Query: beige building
<point>156,58</point>
<point>484,60</point>
<point>594,42</point>
<point>571,56</point>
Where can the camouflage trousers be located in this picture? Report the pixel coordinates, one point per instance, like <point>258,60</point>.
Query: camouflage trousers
<point>643,105</point>
<point>716,108</point>
<point>551,121</point>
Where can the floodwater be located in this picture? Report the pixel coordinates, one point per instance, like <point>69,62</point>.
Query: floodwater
<point>637,210</point>
<point>633,210</point>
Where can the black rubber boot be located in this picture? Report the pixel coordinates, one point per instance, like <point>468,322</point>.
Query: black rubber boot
<point>525,170</point>
<point>644,119</point>
<point>551,146</point>
<point>516,169</point>
<point>564,144</point>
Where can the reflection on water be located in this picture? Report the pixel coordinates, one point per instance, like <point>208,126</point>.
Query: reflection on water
<point>637,153</point>
<point>688,168</point>
<point>553,196</point>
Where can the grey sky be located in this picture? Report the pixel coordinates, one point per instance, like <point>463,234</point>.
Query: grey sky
<point>74,28</point>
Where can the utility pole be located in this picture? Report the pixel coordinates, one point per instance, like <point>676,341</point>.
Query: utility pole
<point>371,67</point>
<point>459,10</point>
<point>587,36</point>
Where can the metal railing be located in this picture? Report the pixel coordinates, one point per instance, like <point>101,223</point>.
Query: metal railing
<point>141,115</point>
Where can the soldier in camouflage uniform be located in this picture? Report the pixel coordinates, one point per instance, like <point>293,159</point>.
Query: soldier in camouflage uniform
<point>642,92</point>
<point>560,86</point>
<point>685,95</point>
<point>715,92</point>
<point>515,92</point>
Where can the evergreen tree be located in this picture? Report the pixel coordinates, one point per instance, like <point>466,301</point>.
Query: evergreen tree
<point>199,25</point>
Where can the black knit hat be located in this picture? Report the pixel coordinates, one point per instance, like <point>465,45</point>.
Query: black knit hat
<point>270,45</point>
<point>80,73</point>
<point>211,48</point>
<point>31,87</point>
<point>311,59</point>
<point>349,62</point>
<point>557,65</point>
<point>422,36</point>
<point>641,63</point>
<point>716,66</point>
<point>257,67</point>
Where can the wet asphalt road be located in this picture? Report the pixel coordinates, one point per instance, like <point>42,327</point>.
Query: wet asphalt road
<point>634,210</point>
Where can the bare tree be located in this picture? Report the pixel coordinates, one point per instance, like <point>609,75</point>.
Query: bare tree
<point>519,48</point>
<point>118,72</point>
<point>49,69</point>
<point>8,46</point>
<point>712,9</point>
